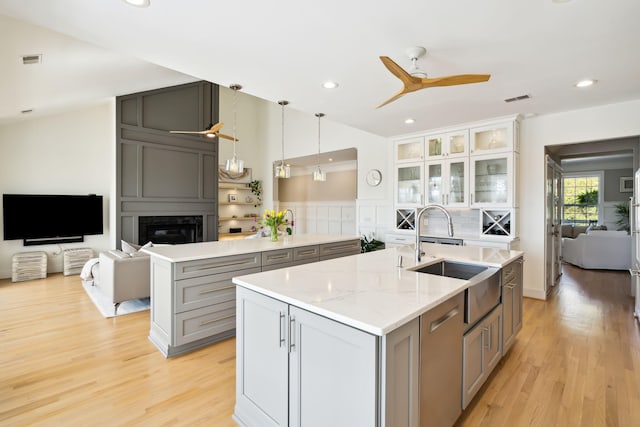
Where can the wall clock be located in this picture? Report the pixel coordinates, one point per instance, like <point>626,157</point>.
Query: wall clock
<point>374,177</point>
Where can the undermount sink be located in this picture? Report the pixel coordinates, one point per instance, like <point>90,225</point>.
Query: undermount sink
<point>456,270</point>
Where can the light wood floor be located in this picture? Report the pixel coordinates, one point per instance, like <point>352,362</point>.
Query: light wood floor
<point>576,362</point>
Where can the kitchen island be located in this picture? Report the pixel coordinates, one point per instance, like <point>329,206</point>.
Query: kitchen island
<point>338,342</point>
<point>192,296</point>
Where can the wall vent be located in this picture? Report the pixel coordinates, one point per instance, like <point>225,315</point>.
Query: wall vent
<point>31,59</point>
<point>517,98</point>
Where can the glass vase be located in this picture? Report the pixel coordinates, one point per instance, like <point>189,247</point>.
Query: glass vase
<point>274,233</point>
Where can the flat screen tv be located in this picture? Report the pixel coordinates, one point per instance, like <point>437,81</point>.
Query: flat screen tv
<point>44,218</point>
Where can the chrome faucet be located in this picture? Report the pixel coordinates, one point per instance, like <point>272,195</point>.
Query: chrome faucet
<point>292,222</point>
<point>419,214</point>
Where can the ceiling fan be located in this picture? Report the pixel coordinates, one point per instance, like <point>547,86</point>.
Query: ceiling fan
<point>417,79</point>
<point>212,131</point>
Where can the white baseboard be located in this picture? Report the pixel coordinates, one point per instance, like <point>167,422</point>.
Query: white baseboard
<point>534,293</point>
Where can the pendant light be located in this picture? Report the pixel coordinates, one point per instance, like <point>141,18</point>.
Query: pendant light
<point>319,174</point>
<point>282,170</point>
<point>234,165</point>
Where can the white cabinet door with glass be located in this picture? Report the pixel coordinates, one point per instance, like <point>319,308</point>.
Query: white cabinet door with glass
<point>492,179</point>
<point>447,182</point>
<point>448,145</point>
<point>495,138</point>
<point>410,184</point>
<point>409,150</point>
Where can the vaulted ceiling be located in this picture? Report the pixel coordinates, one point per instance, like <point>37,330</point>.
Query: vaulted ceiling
<point>287,49</point>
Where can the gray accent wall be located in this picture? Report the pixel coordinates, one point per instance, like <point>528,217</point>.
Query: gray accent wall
<point>612,185</point>
<point>159,173</point>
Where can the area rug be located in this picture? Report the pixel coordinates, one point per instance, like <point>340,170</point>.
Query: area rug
<point>105,306</point>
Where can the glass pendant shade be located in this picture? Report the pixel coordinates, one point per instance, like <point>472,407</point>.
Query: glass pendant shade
<point>234,165</point>
<point>282,171</point>
<point>319,174</point>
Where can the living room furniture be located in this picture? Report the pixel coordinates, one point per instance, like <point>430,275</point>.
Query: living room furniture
<point>598,249</point>
<point>74,259</point>
<point>572,231</point>
<point>28,266</point>
<point>122,277</point>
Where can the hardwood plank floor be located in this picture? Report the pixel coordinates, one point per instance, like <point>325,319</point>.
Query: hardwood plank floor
<point>576,362</point>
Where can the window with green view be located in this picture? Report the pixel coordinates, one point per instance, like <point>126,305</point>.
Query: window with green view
<point>581,201</point>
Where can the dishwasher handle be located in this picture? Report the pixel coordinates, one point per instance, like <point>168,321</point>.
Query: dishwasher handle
<point>442,320</point>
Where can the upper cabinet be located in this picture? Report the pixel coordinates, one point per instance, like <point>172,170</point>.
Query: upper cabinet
<point>447,182</point>
<point>409,150</point>
<point>495,138</point>
<point>410,184</point>
<point>447,145</point>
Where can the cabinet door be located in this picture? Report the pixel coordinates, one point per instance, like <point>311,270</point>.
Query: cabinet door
<point>410,150</point>
<point>493,339</point>
<point>457,143</point>
<point>492,139</point>
<point>457,173</point>
<point>508,332</point>
<point>409,184</point>
<point>492,181</point>
<point>473,366</point>
<point>332,373</point>
<point>435,182</point>
<point>435,147</point>
<point>261,360</point>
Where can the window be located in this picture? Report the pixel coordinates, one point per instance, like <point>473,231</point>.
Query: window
<point>581,198</point>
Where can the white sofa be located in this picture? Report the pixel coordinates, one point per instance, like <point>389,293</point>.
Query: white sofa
<point>599,249</point>
<point>122,277</point>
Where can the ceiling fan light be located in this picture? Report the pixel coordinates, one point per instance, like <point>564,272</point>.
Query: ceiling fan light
<point>330,85</point>
<point>138,3</point>
<point>211,135</point>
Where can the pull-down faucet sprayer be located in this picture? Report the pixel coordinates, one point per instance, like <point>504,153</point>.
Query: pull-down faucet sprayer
<point>419,214</point>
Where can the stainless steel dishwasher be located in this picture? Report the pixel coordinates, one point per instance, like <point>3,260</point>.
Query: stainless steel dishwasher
<point>441,332</point>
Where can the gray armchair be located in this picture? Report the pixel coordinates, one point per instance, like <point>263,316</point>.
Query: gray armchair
<point>123,277</point>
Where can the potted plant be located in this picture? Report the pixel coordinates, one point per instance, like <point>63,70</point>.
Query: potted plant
<point>256,188</point>
<point>370,244</point>
<point>622,211</point>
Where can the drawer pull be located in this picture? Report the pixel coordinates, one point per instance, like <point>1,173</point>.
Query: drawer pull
<point>292,325</point>
<point>270,257</point>
<point>307,252</point>
<point>208,291</point>
<point>437,323</point>
<point>340,248</point>
<point>281,328</point>
<point>216,265</point>
<point>216,320</point>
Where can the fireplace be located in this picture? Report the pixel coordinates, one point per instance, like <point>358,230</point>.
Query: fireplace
<point>171,230</point>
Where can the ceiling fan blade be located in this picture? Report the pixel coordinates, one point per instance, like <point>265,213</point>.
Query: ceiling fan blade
<point>393,98</point>
<point>398,71</point>
<point>202,132</point>
<point>460,79</point>
<point>215,128</point>
<point>230,138</point>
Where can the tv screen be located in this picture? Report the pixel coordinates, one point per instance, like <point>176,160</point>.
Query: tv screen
<point>43,216</point>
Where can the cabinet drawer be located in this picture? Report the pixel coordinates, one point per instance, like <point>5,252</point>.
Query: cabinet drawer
<point>203,291</point>
<point>205,322</point>
<point>306,253</point>
<point>205,267</point>
<point>339,249</point>
<point>281,256</point>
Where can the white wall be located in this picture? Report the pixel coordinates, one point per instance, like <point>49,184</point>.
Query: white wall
<point>68,153</point>
<point>593,124</point>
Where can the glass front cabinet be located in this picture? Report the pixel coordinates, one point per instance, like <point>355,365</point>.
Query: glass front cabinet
<point>492,180</point>
<point>409,150</point>
<point>447,145</point>
<point>410,184</point>
<point>496,138</point>
<point>446,182</point>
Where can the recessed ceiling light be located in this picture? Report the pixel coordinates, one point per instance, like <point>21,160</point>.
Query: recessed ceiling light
<point>410,121</point>
<point>330,159</point>
<point>586,83</point>
<point>561,1</point>
<point>138,3</point>
<point>329,85</point>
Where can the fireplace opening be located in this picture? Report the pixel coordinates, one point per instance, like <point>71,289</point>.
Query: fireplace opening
<point>173,230</point>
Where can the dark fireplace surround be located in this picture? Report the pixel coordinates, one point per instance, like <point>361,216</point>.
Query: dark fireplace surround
<point>172,230</point>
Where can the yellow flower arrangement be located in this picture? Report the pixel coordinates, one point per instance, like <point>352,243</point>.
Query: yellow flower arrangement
<point>273,220</point>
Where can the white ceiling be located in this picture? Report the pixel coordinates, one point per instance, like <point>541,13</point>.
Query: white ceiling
<point>286,49</point>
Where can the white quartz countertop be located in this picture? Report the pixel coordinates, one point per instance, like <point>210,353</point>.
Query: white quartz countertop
<point>369,291</point>
<point>204,250</point>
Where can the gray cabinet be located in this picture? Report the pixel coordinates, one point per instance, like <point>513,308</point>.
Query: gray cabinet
<point>292,365</point>
<point>481,353</point>
<point>511,303</point>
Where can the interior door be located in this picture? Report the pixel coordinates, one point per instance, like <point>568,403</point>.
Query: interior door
<point>549,226</point>
<point>557,223</point>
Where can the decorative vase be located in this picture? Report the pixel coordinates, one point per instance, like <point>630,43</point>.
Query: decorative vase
<point>274,233</point>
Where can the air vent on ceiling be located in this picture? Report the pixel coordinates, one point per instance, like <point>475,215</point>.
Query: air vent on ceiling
<point>517,98</point>
<point>31,59</point>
